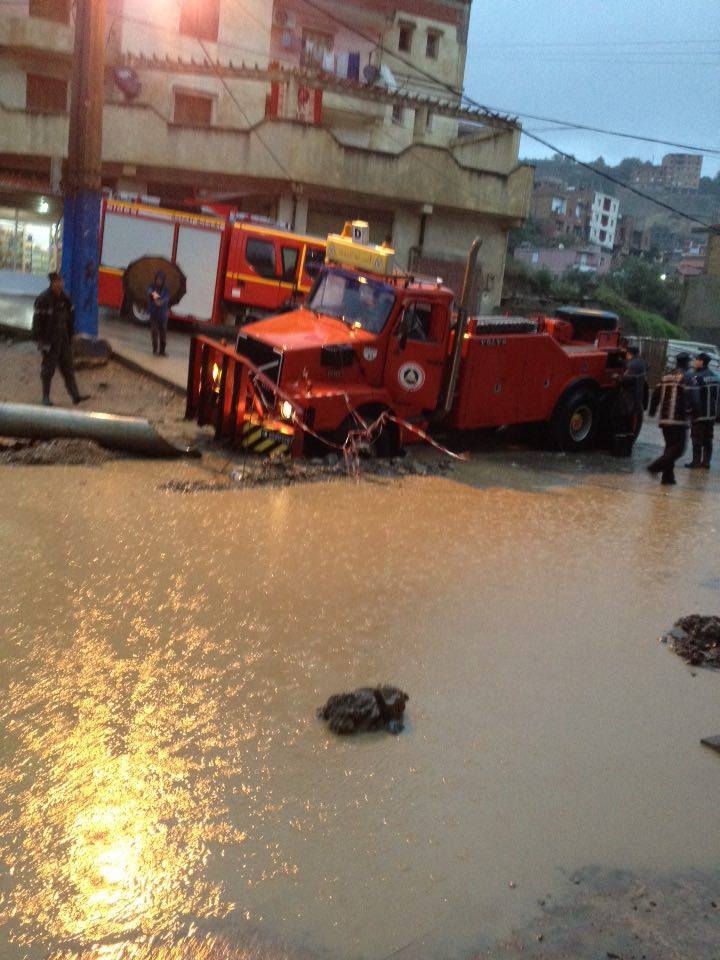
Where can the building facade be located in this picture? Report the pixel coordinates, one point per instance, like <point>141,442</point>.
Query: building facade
<point>303,111</point>
<point>682,171</point>
<point>574,215</point>
<point>603,220</point>
<point>559,260</point>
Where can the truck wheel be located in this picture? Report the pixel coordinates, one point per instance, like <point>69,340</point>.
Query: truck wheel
<point>386,444</point>
<point>138,314</point>
<point>575,421</point>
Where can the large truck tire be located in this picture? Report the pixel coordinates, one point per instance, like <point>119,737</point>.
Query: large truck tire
<point>386,444</point>
<point>574,423</point>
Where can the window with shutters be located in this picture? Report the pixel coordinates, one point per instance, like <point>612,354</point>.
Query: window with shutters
<point>193,109</point>
<point>432,45</point>
<point>46,94</point>
<point>200,18</point>
<point>405,37</point>
<point>57,10</point>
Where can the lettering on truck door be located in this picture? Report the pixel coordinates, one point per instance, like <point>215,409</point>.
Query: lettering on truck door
<point>416,355</point>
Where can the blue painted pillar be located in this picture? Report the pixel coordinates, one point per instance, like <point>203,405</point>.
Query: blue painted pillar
<point>81,230</point>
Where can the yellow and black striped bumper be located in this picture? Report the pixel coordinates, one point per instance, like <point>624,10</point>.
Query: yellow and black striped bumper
<point>268,438</point>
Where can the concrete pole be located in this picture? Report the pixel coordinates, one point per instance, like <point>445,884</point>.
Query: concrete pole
<point>81,224</point>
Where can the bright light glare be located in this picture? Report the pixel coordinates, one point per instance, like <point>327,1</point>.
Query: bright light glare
<point>43,206</point>
<point>286,410</point>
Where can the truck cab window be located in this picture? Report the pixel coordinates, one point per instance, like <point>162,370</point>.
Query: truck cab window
<point>417,321</point>
<point>314,260</point>
<point>289,263</point>
<point>260,254</point>
<point>357,300</point>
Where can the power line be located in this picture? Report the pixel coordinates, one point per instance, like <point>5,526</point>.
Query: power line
<point>569,156</point>
<point>619,183</point>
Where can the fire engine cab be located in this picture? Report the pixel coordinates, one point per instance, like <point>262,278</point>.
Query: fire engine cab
<point>370,340</point>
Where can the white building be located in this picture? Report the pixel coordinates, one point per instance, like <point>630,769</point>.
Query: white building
<point>603,220</point>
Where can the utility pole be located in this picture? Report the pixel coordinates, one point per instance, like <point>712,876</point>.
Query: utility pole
<point>82,183</point>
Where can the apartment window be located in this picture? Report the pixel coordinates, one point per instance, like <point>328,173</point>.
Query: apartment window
<point>317,49</point>
<point>260,254</point>
<point>603,236</point>
<point>193,109</point>
<point>200,18</point>
<point>604,220</point>
<point>606,203</point>
<point>45,94</point>
<point>558,205</point>
<point>397,113</point>
<point>57,10</point>
<point>432,45</point>
<point>405,38</point>
<point>429,122</point>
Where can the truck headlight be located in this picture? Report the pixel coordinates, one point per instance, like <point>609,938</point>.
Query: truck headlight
<point>216,373</point>
<point>286,410</point>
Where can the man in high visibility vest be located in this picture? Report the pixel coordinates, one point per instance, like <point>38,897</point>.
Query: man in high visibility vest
<point>705,402</point>
<point>671,399</point>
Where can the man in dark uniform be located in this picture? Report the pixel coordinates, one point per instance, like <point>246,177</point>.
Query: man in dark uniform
<point>705,403</point>
<point>672,401</point>
<point>626,414</point>
<point>53,328</point>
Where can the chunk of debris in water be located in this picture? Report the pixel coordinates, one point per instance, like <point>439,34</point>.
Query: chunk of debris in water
<point>712,742</point>
<point>365,709</point>
<point>696,639</point>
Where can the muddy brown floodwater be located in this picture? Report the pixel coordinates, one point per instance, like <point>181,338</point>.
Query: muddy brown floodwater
<point>166,792</point>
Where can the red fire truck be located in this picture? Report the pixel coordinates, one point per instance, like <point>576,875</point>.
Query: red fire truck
<point>370,341</point>
<point>235,268</point>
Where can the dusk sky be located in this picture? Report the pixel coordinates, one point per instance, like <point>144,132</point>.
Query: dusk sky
<point>639,66</point>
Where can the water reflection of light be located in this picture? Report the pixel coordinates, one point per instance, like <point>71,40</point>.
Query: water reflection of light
<point>116,830</point>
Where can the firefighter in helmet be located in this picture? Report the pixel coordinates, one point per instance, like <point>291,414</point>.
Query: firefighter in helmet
<point>705,402</point>
<point>671,400</point>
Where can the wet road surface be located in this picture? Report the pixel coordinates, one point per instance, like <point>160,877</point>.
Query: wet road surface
<point>166,792</point>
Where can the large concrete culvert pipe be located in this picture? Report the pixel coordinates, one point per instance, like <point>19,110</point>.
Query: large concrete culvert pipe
<point>130,434</point>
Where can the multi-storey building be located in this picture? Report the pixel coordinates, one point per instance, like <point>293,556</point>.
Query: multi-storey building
<point>574,215</point>
<point>306,111</point>
<point>603,220</point>
<point>561,212</point>
<point>681,171</point>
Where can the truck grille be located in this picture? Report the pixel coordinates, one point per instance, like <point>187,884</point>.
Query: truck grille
<point>266,358</point>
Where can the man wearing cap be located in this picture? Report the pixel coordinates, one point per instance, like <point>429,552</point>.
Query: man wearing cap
<point>53,327</point>
<point>705,402</point>
<point>671,399</point>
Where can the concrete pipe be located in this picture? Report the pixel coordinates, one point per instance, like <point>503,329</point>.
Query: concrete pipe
<point>130,434</point>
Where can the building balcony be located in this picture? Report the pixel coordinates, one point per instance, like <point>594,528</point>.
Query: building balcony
<point>285,150</point>
<point>36,37</point>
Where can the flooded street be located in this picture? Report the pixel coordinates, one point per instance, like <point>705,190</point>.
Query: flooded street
<point>166,791</point>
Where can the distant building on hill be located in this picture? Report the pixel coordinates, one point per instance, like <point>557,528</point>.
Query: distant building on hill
<point>559,260</point>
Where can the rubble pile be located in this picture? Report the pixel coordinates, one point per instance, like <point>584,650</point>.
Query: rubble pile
<point>696,639</point>
<point>257,471</point>
<point>64,452</point>
<point>365,709</point>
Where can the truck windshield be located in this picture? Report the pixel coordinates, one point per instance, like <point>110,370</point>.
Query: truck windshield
<point>355,299</point>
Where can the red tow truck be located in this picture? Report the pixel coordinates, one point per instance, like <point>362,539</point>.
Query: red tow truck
<point>371,341</point>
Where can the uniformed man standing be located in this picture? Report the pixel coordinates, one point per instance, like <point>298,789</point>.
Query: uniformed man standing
<point>671,399</point>
<point>53,328</point>
<point>705,403</point>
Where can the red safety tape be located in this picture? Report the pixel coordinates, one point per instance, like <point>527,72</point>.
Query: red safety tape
<point>356,440</point>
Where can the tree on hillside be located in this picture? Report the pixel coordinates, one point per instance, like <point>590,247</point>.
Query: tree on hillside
<point>639,281</point>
